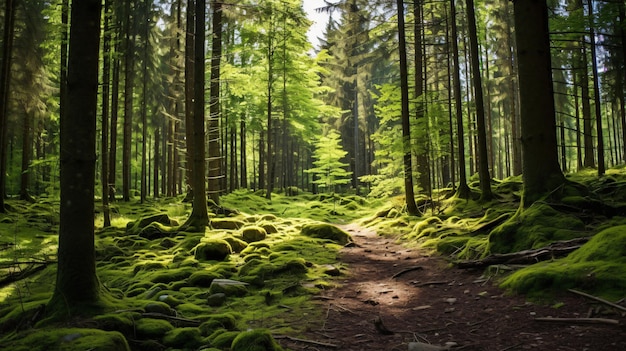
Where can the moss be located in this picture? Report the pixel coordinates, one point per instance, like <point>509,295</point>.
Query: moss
<point>229,289</point>
<point>253,234</point>
<point>326,231</point>
<point>213,250</point>
<point>122,322</point>
<point>183,338</point>
<point>171,275</point>
<point>159,307</point>
<point>68,339</point>
<point>598,266</point>
<point>152,328</point>
<point>226,321</point>
<point>269,227</point>
<point>203,278</point>
<point>155,231</point>
<point>255,340</point>
<point>237,245</point>
<point>222,338</point>
<point>534,227</point>
<point>136,226</point>
<point>227,223</point>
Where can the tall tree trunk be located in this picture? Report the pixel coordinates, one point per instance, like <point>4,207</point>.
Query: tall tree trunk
<point>452,165</point>
<point>189,97</point>
<point>144,106</point>
<point>541,173</point>
<point>622,103</point>
<point>463,191</point>
<point>423,162</point>
<point>270,80</point>
<point>406,125</point>
<point>76,282</point>
<point>115,93</point>
<point>106,88</point>
<point>215,157</point>
<point>5,82</point>
<point>129,67</point>
<point>157,163</point>
<point>483,156</point>
<point>242,147</point>
<point>596,92</point>
<point>583,78</point>
<point>199,218</point>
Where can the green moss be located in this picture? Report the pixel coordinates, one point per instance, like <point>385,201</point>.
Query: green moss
<point>227,223</point>
<point>255,340</point>
<point>326,231</point>
<point>171,275</point>
<point>152,328</point>
<point>598,266</point>
<point>183,338</point>
<point>203,278</point>
<point>270,228</point>
<point>122,322</point>
<point>534,227</point>
<point>135,227</point>
<point>227,321</point>
<point>222,338</point>
<point>67,339</point>
<point>212,250</point>
<point>236,244</point>
<point>228,289</point>
<point>253,234</point>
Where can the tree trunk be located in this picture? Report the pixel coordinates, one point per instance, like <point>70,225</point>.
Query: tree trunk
<point>541,173</point>
<point>76,283</point>
<point>242,146</point>
<point>157,163</point>
<point>189,97</point>
<point>270,81</point>
<point>215,157</point>
<point>406,126</point>
<point>129,66</point>
<point>144,107</point>
<point>199,217</point>
<point>463,190</point>
<point>583,77</point>
<point>483,156</point>
<point>5,81</point>
<point>106,88</point>
<point>115,90</point>
<point>423,162</point>
<point>596,92</point>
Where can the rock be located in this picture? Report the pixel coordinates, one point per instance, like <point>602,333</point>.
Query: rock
<point>253,233</point>
<point>326,231</point>
<point>214,250</point>
<point>226,223</point>
<point>216,300</point>
<point>160,308</point>
<point>331,270</point>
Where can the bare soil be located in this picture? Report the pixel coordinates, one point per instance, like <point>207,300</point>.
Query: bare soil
<point>413,297</point>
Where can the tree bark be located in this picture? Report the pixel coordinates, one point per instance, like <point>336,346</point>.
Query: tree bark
<point>541,172</point>
<point>406,126</point>
<point>77,284</point>
<point>596,92</point>
<point>423,161</point>
<point>106,88</point>
<point>5,81</point>
<point>483,157</point>
<point>129,67</point>
<point>215,157</point>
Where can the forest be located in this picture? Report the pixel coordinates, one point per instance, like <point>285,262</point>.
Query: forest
<point>202,175</point>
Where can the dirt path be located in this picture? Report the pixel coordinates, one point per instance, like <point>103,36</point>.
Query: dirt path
<point>434,304</point>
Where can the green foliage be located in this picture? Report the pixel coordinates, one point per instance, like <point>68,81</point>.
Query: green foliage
<point>326,231</point>
<point>68,340</point>
<point>329,171</point>
<point>255,340</point>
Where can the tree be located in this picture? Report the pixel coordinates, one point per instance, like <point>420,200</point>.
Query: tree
<point>215,159</point>
<point>199,217</point>
<point>5,80</point>
<point>406,127</point>
<point>329,170</point>
<point>76,282</point>
<point>483,159</point>
<point>541,171</point>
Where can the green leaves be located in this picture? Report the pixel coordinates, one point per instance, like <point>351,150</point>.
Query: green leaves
<point>329,170</point>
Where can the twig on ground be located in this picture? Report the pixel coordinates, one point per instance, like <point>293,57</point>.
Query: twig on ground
<point>608,303</point>
<point>312,342</point>
<point>579,320</point>
<point>435,282</point>
<point>191,322</point>
<point>511,347</point>
<point>406,270</point>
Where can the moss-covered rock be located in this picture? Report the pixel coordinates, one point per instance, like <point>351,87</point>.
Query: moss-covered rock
<point>152,328</point>
<point>255,340</point>
<point>326,231</point>
<point>155,230</point>
<point>228,287</point>
<point>135,227</point>
<point>213,250</point>
<point>253,234</point>
<point>236,244</point>
<point>122,322</point>
<point>270,228</point>
<point>227,223</point>
<point>203,278</point>
<point>189,338</point>
<point>68,340</point>
<point>227,321</point>
<point>222,338</point>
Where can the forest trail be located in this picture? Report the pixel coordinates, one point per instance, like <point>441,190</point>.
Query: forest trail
<point>419,298</point>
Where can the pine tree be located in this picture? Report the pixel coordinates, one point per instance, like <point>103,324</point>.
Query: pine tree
<point>329,171</point>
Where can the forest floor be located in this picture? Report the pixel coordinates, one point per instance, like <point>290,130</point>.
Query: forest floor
<point>393,295</point>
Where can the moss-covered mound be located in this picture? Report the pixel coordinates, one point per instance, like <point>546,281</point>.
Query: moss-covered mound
<point>213,250</point>
<point>326,231</point>
<point>253,233</point>
<point>68,340</point>
<point>597,266</point>
<point>534,227</point>
<point>255,340</point>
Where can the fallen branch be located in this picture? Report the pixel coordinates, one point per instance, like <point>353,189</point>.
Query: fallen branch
<point>406,270</point>
<point>318,343</point>
<point>434,282</point>
<point>33,268</point>
<point>608,303</point>
<point>579,320</point>
<point>555,249</point>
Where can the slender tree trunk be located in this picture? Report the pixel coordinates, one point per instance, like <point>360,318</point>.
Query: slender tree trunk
<point>588,161</point>
<point>483,156</point>
<point>423,162</point>
<point>596,92</point>
<point>579,143</point>
<point>115,93</point>
<point>450,114</point>
<point>463,190</point>
<point>215,157</point>
<point>129,66</point>
<point>106,88</point>
<point>406,126</point>
<point>242,147</point>
<point>199,217</point>
<point>622,103</point>
<point>541,172</point>
<point>76,283</point>
<point>189,97</point>
<point>144,107</point>
<point>270,80</point>
<point>157,163</point>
